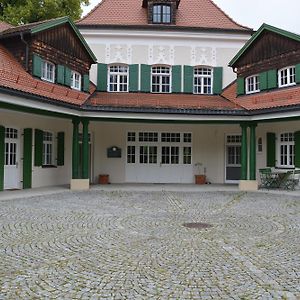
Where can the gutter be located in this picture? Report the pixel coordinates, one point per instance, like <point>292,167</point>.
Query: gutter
<point>26,51</point>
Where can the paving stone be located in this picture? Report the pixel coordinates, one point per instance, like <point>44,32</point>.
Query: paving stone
<point>133,245</point>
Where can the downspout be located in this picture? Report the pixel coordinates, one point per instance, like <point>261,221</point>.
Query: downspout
<point>26,51</point>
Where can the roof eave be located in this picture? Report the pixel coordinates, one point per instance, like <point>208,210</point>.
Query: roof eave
<point>163,28</point>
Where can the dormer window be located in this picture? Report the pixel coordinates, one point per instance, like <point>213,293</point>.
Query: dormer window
<point>286,76</point>
<point>161,14</point>
<point>48,71</point>
<point>252,84</point>
<point>75,80</point>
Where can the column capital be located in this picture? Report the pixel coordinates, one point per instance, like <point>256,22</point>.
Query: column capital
<point>85,121</point>
<point>76,121</point>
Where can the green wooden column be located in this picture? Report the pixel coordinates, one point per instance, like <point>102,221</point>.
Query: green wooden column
<point>85,149</point>
<point>75,149</point>
<point>244,154</point>
<point>252,152</point>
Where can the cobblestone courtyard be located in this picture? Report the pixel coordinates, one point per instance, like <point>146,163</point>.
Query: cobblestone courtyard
<point>132,245</point>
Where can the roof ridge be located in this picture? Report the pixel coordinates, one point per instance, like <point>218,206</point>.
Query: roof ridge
<point>227,16</point>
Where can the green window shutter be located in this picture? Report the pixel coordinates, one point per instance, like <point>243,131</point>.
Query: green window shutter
<point>60,74</point>
<point>27,159</point>
<point>263,81</point>
<point>240,82</point>
<point>271,152</point>
<point>38,148</point>
<point>297,67</point>
<point>37,66</point>
<point>145,78</point>
<point>102,78</point>
<point>272,79</point>
<point>176,79</point>
<point>86,83</point>
<point>218,80</point>
<point>60,148</point>
<point>67,76</point>
<point>2,153</point>
<point>133,78</point>
<point>297,149</point>
<point>188,79</point>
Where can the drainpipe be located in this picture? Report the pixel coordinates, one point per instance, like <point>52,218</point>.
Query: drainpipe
<point>26,51</point>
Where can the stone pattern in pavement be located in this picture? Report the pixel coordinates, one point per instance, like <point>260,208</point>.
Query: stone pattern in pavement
<point>132,245</point>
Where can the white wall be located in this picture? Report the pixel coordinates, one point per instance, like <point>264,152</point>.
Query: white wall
<point>208,147</point>
<point>42,176</point>
<point>171,48</point>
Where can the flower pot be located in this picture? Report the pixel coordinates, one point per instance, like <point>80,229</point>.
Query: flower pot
<point>200,179</point>
<point>104,179</point>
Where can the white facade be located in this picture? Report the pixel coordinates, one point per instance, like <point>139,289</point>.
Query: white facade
<point>165,48</point>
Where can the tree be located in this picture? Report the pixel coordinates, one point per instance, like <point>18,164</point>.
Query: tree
<point>19,12</point>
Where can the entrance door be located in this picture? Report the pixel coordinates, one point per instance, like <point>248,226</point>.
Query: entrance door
<point>11,165</point>
<point>233,158</point>
<point>159,157</point>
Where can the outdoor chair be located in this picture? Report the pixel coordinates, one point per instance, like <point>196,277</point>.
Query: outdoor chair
<point>290,180</point>
<point>266,178</point>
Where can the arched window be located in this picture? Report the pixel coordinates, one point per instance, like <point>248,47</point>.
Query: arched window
<point>161,79</point>
<point>118,78</point>
<point>203,80</point>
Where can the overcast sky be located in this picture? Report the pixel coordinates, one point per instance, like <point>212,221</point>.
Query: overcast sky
<point>279,13</point>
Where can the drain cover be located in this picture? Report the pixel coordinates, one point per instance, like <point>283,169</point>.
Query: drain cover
<point>197,225</point>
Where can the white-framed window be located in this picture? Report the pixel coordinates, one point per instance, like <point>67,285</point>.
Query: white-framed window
<point>118,78</point>
<point>161,14</point>
<point>252,84</point>
<point>259,145</point>
<point>75,80</point>
<point>48,148</point>
<point>153,148</point>
<point>161,79</point>
<point>48,71</point>
<point>203,80</point>
<point>287,76</point>
<point>286,147</point>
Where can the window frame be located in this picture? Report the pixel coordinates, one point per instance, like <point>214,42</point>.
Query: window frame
<point>288,144</point>
<point>288,76</point>
<point>160,77</point>
<point>160,15</point>
<point>73,80</point>
<point>255,84</point>
<point>118,74</point>
<point>46,143</point>
<point>44,71</point>
<point>202,78</point>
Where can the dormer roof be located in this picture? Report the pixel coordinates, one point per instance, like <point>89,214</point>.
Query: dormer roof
<point>37,27</point>
<point>265,29</point>
<point>194,14</point>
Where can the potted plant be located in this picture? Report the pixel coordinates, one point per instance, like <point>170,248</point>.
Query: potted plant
<point>200,178</point>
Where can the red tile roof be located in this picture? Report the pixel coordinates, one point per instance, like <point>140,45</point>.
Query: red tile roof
<point>283,97</point>
<point>175,101</point>
<point>4,26</point>
<point>191,13</point>
<point>13,76</point>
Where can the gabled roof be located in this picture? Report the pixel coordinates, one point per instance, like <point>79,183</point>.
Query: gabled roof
<point>274,99</point>
<point>190,14</point>
<point>14,77</point>
<point>34,28</point>
<point>264,27</point>
<point>4,26</point>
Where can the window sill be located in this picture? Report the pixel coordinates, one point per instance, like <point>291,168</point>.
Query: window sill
<point>252,92</point>
<point>49,167</point>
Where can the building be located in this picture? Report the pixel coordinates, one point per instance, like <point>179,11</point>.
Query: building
<point>162,105</point>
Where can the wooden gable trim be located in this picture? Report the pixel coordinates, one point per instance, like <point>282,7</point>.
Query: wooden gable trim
<point>257,35</point>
